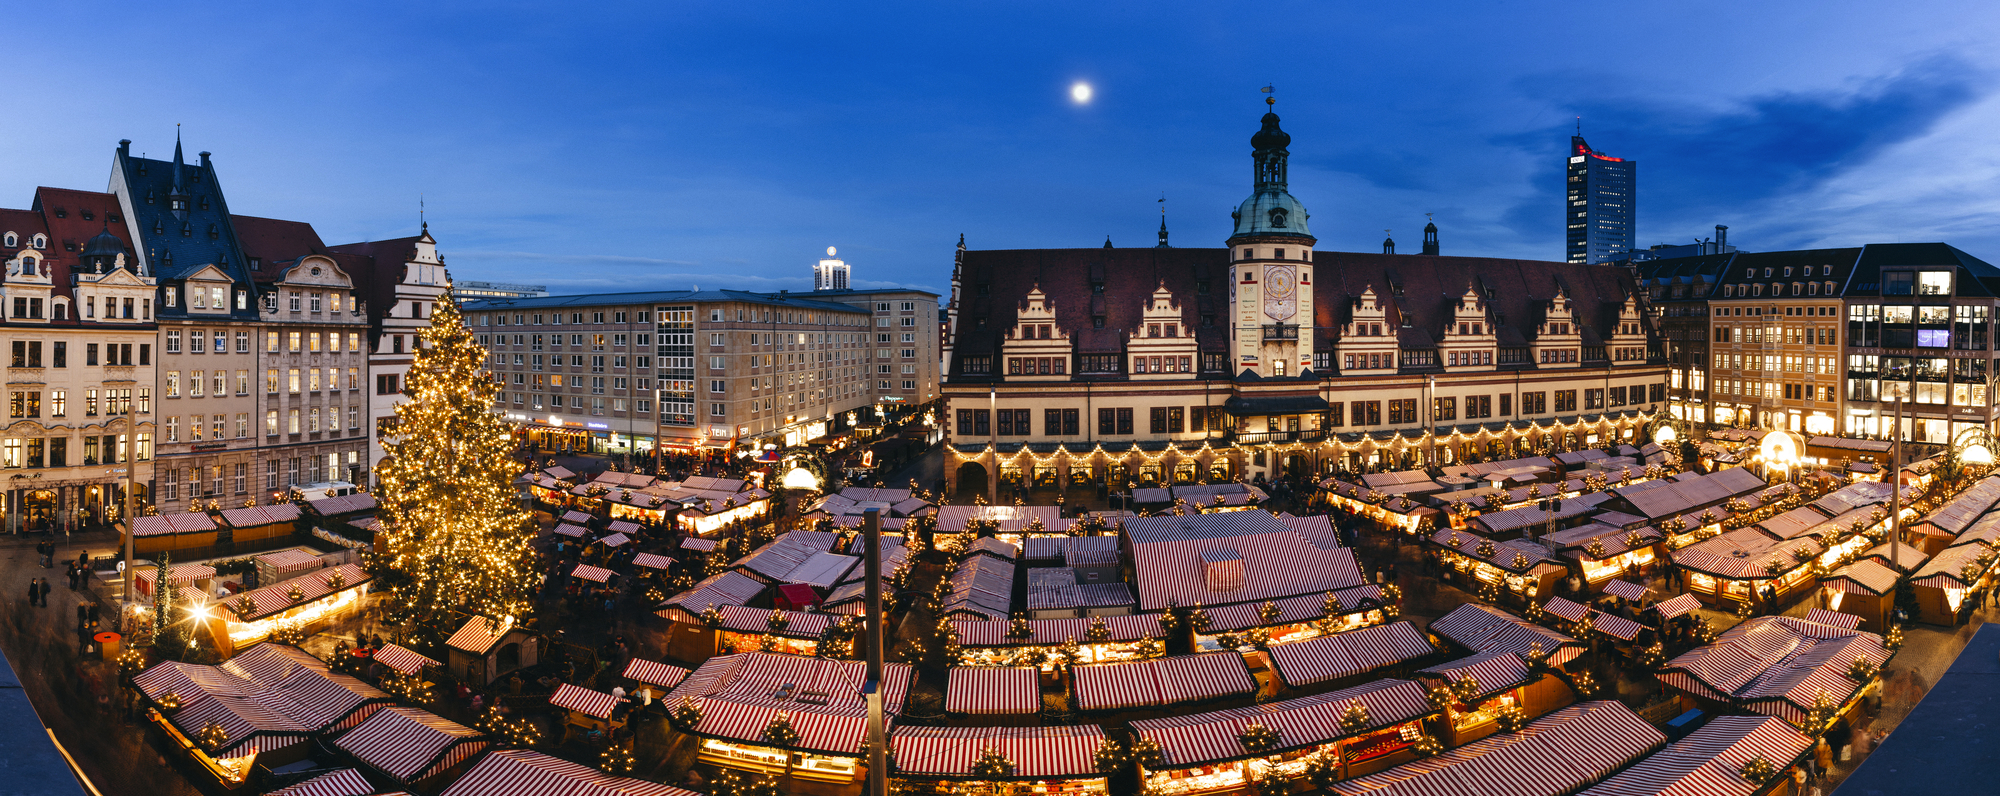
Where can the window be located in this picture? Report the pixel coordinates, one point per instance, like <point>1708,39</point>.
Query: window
<point>1014,422</point>
<point>973,422</point>
<point>1593,398</point>
<point>1444,409</point>
<point>1565,400</point>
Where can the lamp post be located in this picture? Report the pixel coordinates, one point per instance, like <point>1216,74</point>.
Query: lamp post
<point>131,471</point>
<point>878,737</point>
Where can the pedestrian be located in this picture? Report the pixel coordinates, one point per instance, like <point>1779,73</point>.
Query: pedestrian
<point>93,614</point>
<point>45,591</point>
<point>34,591</point>
<point>70,572</point>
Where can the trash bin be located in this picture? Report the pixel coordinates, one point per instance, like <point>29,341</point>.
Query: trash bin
<point>108,642</point>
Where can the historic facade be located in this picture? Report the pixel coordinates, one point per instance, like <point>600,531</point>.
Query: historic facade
<point>1122,366</point>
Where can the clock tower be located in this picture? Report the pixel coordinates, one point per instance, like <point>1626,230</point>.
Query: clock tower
<point>1270,268</point>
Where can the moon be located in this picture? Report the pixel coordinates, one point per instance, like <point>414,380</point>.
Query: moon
<point>1080,93</point>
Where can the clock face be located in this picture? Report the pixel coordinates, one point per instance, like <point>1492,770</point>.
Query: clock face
<point>1281,284</point>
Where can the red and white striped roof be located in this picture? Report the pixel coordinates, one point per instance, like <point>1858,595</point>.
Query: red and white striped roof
<point>1567,609</point>
<point>577,531</point>
<point>169,524</point>
<point>738,695</point>
<point>316,585</point>
<point>652,561</point>
<point>253,516</point>
<point>1625,588</point>
<point>516,772</point>
<point>1204,738</point>
<point>179,574</point>
<point>1038,753</point>
<point>1776,665</point>
<point>615,540</point>
<point>799,624</point>
<point>993,690</point>
<point>1709,761</point>
<point>476,637</point>
<point>652,673</point>
<point>1048,632</point>
<point>584,700</point>
<point>1743,554</point>
<point>1680,604</point>
<point>1327,658</point>
<point>1493,671</point>
<point>1866,576</point>
<point>1162,681</point>
<point>269,697</point>
<point>1303,608</point>
<point>1615,626</point>
<point>1554,755</point>
<point>576,517</point>
<point>343,782</point>
<point>408,744</point>
<point>1946,570</point>
<point>402,659</point>
<point>588,572</point>
<point>1277,561</point>
<point>1483,628</point>
<point>1835,618</point>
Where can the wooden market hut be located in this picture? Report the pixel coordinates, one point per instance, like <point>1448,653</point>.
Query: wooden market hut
<point>272,702</point>
<point>310,600</point>
<point>1341,659</point>
<point>200,577</point>
<point>593,713</point>
<point>1521,569</point>
<point>508,771</point>
<point>1865,589</point>
<point>166,533</point>
<point>1200,753</point>
<point>1942,584</point>
<point>1776,666</point>
<point>260,527</point>
<point>1710,761</point>
<point>1736,566</point>
<point>1042,760</point>
<point>412,747</point>
<point>1598,553</point>
<point>1552,756</point>
<point>738,696</point>
<point>1498,643</point>
<point>480,653</point>
<point>992,643</point>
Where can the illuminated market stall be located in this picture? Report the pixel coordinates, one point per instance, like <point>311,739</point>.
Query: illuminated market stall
<point>1178,681</point>
<point>1518,569</point>
<point>1738,565</point>
<point>983,760</point>
<point>737,697</point>
<point>1802,672</point>
<point>266,706</point>
<point>1601,553</point>
<point>306,602</point>
<point>746,629</point>
<point>1322,661</point>
<point>513,772</point>
<point>996,643</point>
<point>993,694</point>
<point>1552,756</point>
<point>412,747</point>
<point>1944,583</point>
<point>165,533</point>
<point>1712,761</point>
<point>1495,680</point>
<point>1864,589</point>
<point>1226,750</point>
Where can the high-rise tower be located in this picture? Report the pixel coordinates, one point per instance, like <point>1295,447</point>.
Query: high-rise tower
<point>1271,271</point>
<point>1602,204</point>
<point>830,274</point>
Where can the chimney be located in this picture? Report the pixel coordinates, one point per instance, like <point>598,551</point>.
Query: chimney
<point>1721,238</point>
<point>204,159</point>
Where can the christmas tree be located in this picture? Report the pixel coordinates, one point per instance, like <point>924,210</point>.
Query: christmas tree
<point>454,539</point>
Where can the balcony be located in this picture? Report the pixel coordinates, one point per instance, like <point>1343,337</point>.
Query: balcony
<point>1275,332</point>
<point>1260,437</point>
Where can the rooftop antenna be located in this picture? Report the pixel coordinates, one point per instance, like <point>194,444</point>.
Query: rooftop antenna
<point>1579,127</point>
<point>426,225</point>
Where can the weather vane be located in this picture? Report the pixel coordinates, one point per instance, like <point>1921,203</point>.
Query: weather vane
<point>1268,89</point>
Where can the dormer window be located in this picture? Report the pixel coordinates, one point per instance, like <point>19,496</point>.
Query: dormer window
<point>204,203</point>
<point>41,241</point>
<point>1788,271</point>
<point>173,296</point>
<point>1767,273</point>
<point>177,203</point>
<point>12,241</point>
<point>256,263</point>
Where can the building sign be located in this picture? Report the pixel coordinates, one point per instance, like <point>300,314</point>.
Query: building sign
<point>598,425</point>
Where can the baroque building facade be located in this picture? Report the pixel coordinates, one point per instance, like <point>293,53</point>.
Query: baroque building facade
<point>1270,358</point>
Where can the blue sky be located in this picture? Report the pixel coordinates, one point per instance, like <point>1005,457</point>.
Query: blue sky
<point>595,147</point>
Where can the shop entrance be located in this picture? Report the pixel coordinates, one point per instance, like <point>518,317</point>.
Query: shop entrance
<point>971,480</point>
<point>38,509</point>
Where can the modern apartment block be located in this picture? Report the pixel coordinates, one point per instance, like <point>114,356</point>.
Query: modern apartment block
<point>685,370</point>
<point>1826,341</point>
<point>1601,206</point>
<point>1268,358</point>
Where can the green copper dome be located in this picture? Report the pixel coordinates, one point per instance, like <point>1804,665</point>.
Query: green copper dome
<point>1270,210</point>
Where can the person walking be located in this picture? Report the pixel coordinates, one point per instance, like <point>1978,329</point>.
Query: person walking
<point>34,591</point>
<point>45,591</point>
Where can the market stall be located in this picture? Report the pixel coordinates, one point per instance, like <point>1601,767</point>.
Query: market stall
<point>1204,752</point>
<point>199,577</point>
<point>1178,681</point>
<point>1943,584</point>
<point>993,693</point>
<point>1864,589</point>
<point>1747,565</point>
<point>267,706</point>
<point>1519,569</point>
<point>1324,660</point>
<point>512,772</point>
<point>1779,666</point>
<point>284,564</point>
<point>594,714</point>
<point>1294,618</point>
<point>650,678</point>
<point>994,643</point>
<point>1552,756</point>
<point>484,650</point>
<point>403,660</point>
<point>164,533</point>
<point>746,629</point>
<point>261,526</point>
<point>1060,761</point>
<point>309,602</point>
<point>1711,760</point>
<point>412,747</point>
<point>736,698</point>
<point>1601,553</point>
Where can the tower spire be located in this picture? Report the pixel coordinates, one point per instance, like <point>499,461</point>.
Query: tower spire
<point>1163,222</point>
<point>421,222</point>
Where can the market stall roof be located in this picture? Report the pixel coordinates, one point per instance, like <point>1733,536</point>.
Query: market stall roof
<point>1553,755</point>
<point>1055,588</point>
<point>277,597</point>
<point>991,690</point>
<point>585,701</point>
<point>253,516</point>
<point>179,575</point>
<point>653,673</point>
<point>1985,530</point>
<point>408,744</point>
<point>402,659</point>
<point>1206,738</point>
<point>167,524</point>
<point>1038,753</point>
<point>343,504</point>
<point>993,547</point>
<point>1233,557</point>
<point>722,588</point>
<point>1011,519</point>
<point>775,561</point>
<point>652,561</point>
<point>623,526</point>
<point>1676,605</point>
<point>1626,589</point>
<point>1775,665</point>
<point>1327,658</point>
<point>1709,761</point>
<point>578,517</point>
<point>1483,628</point>
<point>1834,618</point>
<point>698,543</point>
<point>268,697</point>
<point>1159,682</point>
<point>1493,671</point>
<point>615,540</point>
<point>739,694</point>
<point>1667,497</point>
<point>798,624</point>
<point>588,572</point>
<point>983,587</point>
<point>338,782</point>
<point>1905,557</point>
<point>1317,528</point>
<point>823,570</point>
<point>512,772</point>
<point>289,559</point>
<point>1048,632</point>
<point>1958,513</point>
<point>1529,516</point>
<point>477,636</point>
<point>1866,576</point>
<point>577,531</point>
<point>559,472</point>
<point>1946,570</point>
<point>1303,608</point>
<point>1743,554</point>
<point>1468,544</point>
<point>1793,524</point>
